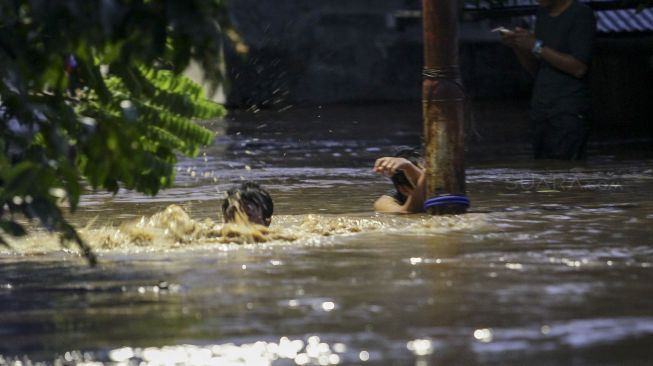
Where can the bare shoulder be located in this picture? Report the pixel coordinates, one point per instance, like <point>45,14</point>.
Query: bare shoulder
<point>388,204</point>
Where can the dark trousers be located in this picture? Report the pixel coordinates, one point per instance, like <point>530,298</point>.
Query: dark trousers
<point>562,137</point>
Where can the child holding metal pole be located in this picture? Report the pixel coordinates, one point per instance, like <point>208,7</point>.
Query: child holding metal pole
<point>406,171</point>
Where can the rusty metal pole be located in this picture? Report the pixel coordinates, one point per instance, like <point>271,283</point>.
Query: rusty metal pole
<point>443,100</point>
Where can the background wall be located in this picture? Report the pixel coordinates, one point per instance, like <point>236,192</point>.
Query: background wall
<point>343,51</point>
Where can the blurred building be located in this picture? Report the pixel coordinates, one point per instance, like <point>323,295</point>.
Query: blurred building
<point>342,51</point>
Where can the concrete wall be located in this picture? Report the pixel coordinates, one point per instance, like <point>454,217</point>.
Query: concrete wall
<point>320,52</point>
<point>343,51</point>
<point>333,51</point>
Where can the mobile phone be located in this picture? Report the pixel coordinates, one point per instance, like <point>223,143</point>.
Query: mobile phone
<point>502,30</point>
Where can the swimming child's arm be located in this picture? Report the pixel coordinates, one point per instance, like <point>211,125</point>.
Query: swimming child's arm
<point>389,165</point>
<point>415,201</point>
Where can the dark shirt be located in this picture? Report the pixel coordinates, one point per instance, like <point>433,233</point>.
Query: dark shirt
<point>571,32</point>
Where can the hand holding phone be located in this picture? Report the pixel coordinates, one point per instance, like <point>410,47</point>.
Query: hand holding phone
<point>502,30</point>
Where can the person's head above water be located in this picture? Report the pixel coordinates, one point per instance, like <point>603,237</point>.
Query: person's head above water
<point>402,184</point>
<point>405,169</point>
<point>249,200</point>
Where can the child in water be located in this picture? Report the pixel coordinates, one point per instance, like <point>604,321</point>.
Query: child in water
<point>248,203</point>
<point>406,171</point>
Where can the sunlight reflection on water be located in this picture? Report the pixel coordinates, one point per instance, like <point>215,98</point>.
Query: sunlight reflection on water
<point>487,343</point>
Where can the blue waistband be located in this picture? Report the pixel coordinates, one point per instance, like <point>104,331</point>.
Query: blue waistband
<point>446,200</point>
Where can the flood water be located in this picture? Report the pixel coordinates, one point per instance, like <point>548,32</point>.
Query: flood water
<point>553,264</point>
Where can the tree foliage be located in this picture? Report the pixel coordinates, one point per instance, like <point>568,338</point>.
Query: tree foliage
<point>91,93</point>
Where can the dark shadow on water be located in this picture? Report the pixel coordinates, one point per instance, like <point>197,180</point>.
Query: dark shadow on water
<point>496,130</point>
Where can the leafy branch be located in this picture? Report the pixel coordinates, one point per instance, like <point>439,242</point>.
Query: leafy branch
<point>91,93</point>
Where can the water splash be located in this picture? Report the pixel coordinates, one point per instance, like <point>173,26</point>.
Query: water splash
<point>174,228</point>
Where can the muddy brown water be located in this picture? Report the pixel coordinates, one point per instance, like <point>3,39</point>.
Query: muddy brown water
<point>553,264</point>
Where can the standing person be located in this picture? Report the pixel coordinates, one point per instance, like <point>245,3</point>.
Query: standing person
<point>558,55</point>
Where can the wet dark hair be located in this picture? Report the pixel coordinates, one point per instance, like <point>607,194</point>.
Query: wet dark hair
<point>399,178</point>
<point>254,201</point>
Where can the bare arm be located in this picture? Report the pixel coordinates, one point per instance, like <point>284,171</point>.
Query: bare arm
<point>525,57</point>
<point>415,199</point>
<point>415,202</point>
<point>564,62</point>
<point>390,165</point>
<point>522,43</point>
